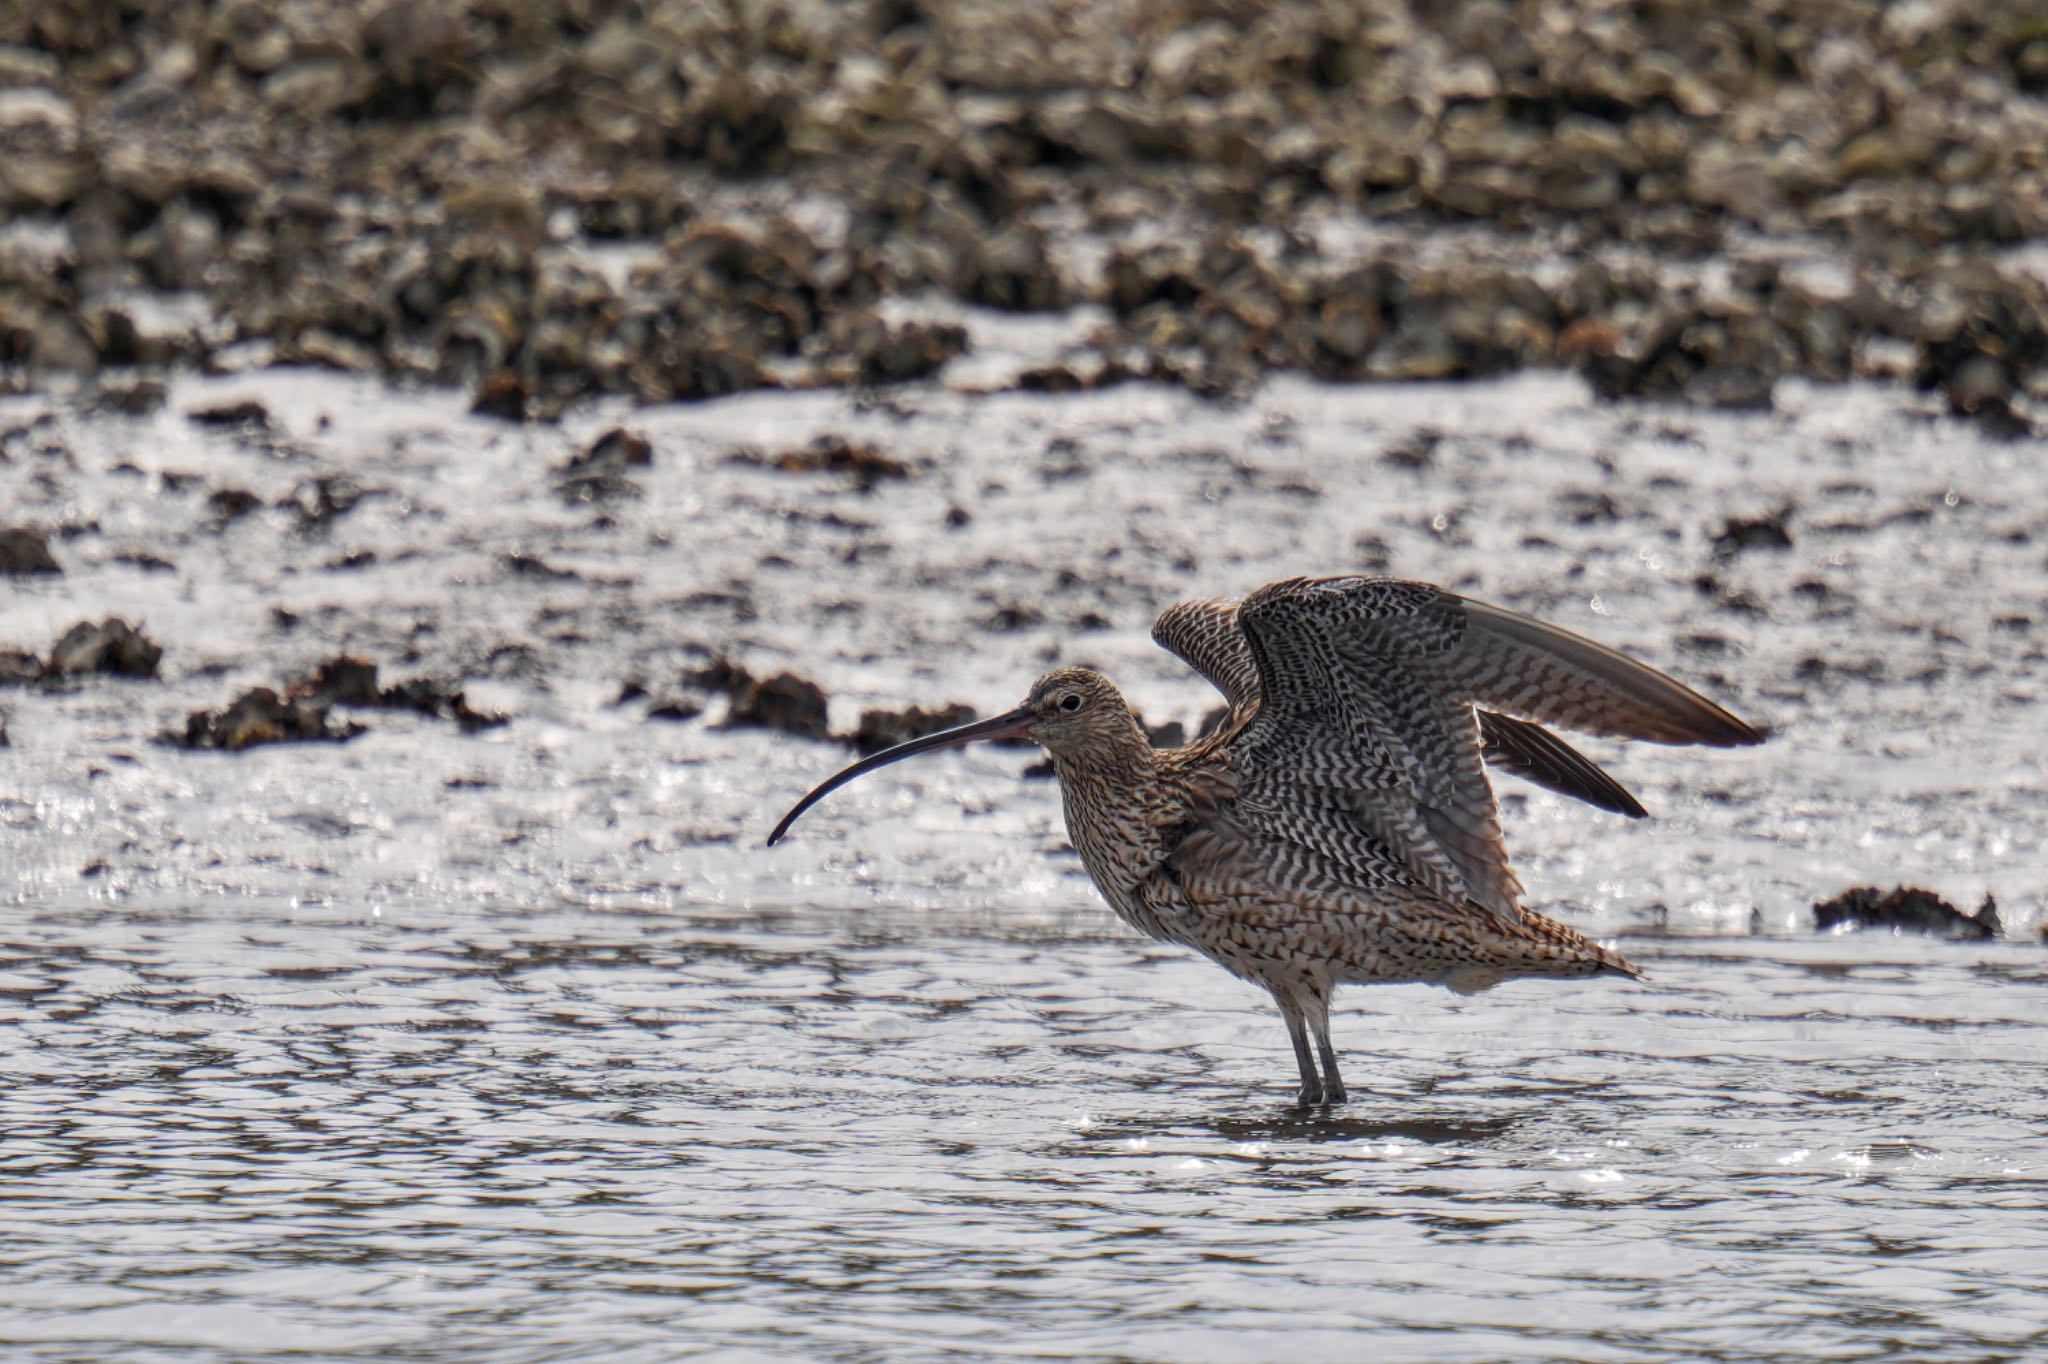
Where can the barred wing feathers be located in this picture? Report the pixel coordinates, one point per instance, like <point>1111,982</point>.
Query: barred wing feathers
<point>1367,743</point>
<point>1205,635</point>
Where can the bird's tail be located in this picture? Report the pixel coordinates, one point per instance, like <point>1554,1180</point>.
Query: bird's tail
<point>1540,946</point>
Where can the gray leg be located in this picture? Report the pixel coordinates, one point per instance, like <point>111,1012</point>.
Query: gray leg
<point>1311,1083</point>
<point>1333,1083</point>
<point>1317,1015</point>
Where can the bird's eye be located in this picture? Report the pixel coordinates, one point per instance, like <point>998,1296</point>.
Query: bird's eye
<point>1070,702</point>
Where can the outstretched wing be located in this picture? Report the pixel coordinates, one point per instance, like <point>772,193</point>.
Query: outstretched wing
<point>1367,743</point>
<point>1205,635</point>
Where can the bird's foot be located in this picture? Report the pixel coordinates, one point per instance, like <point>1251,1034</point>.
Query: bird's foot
<point>1334,1093</point>
<point>1311,1096</point>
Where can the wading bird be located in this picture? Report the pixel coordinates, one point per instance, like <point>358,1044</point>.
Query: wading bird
<point>1338,826</point>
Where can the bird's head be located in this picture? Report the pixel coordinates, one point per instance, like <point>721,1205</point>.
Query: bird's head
<point>1073,709</point>
<point>1068,712</point>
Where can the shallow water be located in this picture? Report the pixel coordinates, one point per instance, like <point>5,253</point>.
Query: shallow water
<point>517,1046</point>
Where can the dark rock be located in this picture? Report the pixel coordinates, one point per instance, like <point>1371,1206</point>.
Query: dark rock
<point>18,668</point>
<point>1079,377</point>
<point>261,716</point>
<point>1982,389</point>
<point>230,503</point>
<point>112,646</point>
<point>831,454</point>
<point>344,680</point>
<point>664,705</point>
<point>721,675</point>
<point>576,489</point>
<point>898,352</point>
<point>1999,419</point>
<point>783,702</point>
<point>1588,507</point>
<point>1814,668</point>
<point>134,397</point>
<point>1907,909</point>
<point>1764,532</point>
<point>1416,450</point>
<point>599,473</point>
<point>1013,616</point>
<point>532,566</point>
<point>247,415</point>
<point>1734,599</point>
<point>880,729</point>
<point>429,697</point>
<point>676,706</point>
<point>614,452</point>
<point>26,551</point>
<point>503,395</point>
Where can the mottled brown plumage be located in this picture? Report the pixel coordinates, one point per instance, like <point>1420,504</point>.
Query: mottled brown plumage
<point>1338,826</point>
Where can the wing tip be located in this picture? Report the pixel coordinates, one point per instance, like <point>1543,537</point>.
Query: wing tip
<point>1535,754</point>
<point>1667,710</point>
<point>1730,731</point>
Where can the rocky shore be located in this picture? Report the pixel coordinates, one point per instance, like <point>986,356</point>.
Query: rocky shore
<point>673,201</point>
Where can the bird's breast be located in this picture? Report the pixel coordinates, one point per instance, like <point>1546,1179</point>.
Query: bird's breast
<point>1127,839</point>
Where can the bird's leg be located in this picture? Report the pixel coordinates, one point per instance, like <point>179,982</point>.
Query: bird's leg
<point>1318,1017</point>
<point>1311,1081</point>
<point>1333,1083</point>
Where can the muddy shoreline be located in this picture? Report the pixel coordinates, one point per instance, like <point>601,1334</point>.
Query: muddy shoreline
<point>677,203</point>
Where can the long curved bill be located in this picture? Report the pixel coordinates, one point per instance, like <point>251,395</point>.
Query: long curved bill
<point>1009,725</point>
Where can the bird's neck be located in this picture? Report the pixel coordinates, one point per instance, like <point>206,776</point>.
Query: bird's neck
<point>1119,753</point>
<point>1110,792</point>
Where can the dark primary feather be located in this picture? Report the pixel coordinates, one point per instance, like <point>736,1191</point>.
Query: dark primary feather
<point>1535,754</point>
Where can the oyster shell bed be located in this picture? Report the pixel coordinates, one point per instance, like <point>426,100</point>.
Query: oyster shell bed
<point>552,200</point>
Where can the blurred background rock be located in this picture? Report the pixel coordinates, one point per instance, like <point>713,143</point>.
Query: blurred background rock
<point>547,199</point>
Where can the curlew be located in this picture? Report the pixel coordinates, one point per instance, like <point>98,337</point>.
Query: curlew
<point>1338,827</point>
